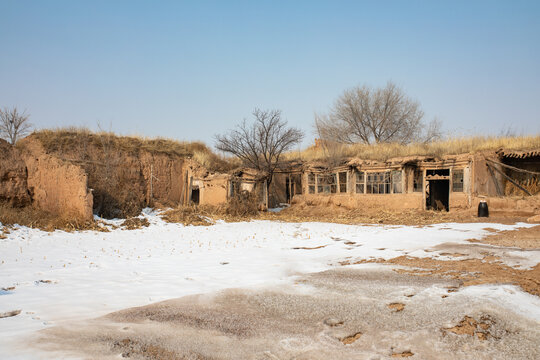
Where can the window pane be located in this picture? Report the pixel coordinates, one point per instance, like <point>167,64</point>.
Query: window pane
<point>396,182</point>
<point>418,181</point>
<point>457,180</point>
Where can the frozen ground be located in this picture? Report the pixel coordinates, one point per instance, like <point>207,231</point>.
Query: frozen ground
<point>62,278</point>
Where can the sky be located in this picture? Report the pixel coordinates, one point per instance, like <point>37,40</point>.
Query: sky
<point>190,70</point>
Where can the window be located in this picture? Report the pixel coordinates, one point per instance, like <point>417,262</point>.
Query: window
<point>378,183</point>
<point>311,183</point>
<point>327,184</point>
<point>396,182</point>
<point>418,185</point>
<point>342,182</point>
<point>457,180</point>
<point>360,182</point>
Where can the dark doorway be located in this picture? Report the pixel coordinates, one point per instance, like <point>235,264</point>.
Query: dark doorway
<point>195,195</point>
<point>437,196</point>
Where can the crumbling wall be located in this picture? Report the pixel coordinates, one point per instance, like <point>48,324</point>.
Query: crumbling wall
<point>125,180</point>
<point>214,191</point>
<point>486,180</point>
<point>13,184</point>
<point>164,178</point>
<point>56,186</point>
<point>371,201</point>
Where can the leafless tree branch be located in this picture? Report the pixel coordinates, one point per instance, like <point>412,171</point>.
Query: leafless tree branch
<point>367,115</point>
<point>261,144</point>
<point>14,125</point>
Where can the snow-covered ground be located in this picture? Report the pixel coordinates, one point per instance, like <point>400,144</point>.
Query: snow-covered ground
<point>60,277</point>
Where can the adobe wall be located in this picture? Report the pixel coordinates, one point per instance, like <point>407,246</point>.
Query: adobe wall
<point>372,201</point>
<point>13,183</point>
<point>164,178</point>
<point>55,185</point>
<point>527,204</point>
<point>214,190</point>
<point>485,182</point>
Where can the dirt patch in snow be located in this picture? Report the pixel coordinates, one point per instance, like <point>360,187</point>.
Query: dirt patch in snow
<point>396,307</point>
<point>524,238</point>
<point>488,270</point>
<point>472,327</point>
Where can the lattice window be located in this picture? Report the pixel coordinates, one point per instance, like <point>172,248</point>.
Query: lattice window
<point>397,187</point>
<point>378,183</point>
<point>360,186</point>
<point>327,184</point>
<point>343,182</point>
<point>418,185</point>
<point>457,180</point>
<point>311,183</point>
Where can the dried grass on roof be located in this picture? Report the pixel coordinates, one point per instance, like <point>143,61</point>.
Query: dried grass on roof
<point>452,146</point>
<point>65,139</point>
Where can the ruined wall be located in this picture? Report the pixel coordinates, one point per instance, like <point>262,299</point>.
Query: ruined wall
<point>123,181</point>
<point>486,182</point>
<point>278,190</point>
<point>458,200</point>
<point>371,201</point>
<point>164,178</point>
<point>214,191</point>
<point>55,185</point>
<point>13,183</point>
<point>528,205</point>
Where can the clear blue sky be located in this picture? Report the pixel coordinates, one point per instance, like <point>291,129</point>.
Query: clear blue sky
<point>189,70</point>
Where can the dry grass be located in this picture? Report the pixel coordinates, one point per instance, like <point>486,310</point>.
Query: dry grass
<point>35,218</point>
<point>240,208</point>
<point>384,152</point>
<point>66,139</point>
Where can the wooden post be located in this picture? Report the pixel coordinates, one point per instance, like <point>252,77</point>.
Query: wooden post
<point>189,189</point>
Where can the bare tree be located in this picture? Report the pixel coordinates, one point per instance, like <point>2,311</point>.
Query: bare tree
<point>261,144</point>
<point>14,125</point>
<point>367,115</point>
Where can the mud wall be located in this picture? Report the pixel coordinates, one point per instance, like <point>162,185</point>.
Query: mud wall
<point>214,191</point>
<point>525,204</point>
<point>487,182</point>
<point>55,185</point>
<point>122,181</point>
<point>371,201</point>
<point>13,183</point>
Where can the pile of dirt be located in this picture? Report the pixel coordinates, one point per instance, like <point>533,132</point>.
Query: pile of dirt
<point>13,185</point>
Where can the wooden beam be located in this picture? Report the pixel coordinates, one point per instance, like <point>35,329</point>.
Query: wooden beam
<point>511,180</point>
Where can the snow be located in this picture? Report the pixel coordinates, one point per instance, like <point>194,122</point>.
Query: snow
<point>60,276</point>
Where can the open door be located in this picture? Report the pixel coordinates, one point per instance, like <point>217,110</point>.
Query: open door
<point>438,189</point>
<point>195,195</point>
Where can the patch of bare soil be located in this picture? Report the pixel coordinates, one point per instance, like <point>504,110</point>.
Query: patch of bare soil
<point>135,223</point>
<point>488,270</point>
<point>351,339</point>
<point>396,307</point>
<point>402,354</point>
<point>206,215</point>
<point>472,327</point>
<point>524,238</point>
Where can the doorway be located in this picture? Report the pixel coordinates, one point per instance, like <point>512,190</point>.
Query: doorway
<point>195,195</point>
<point>438,189</point>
